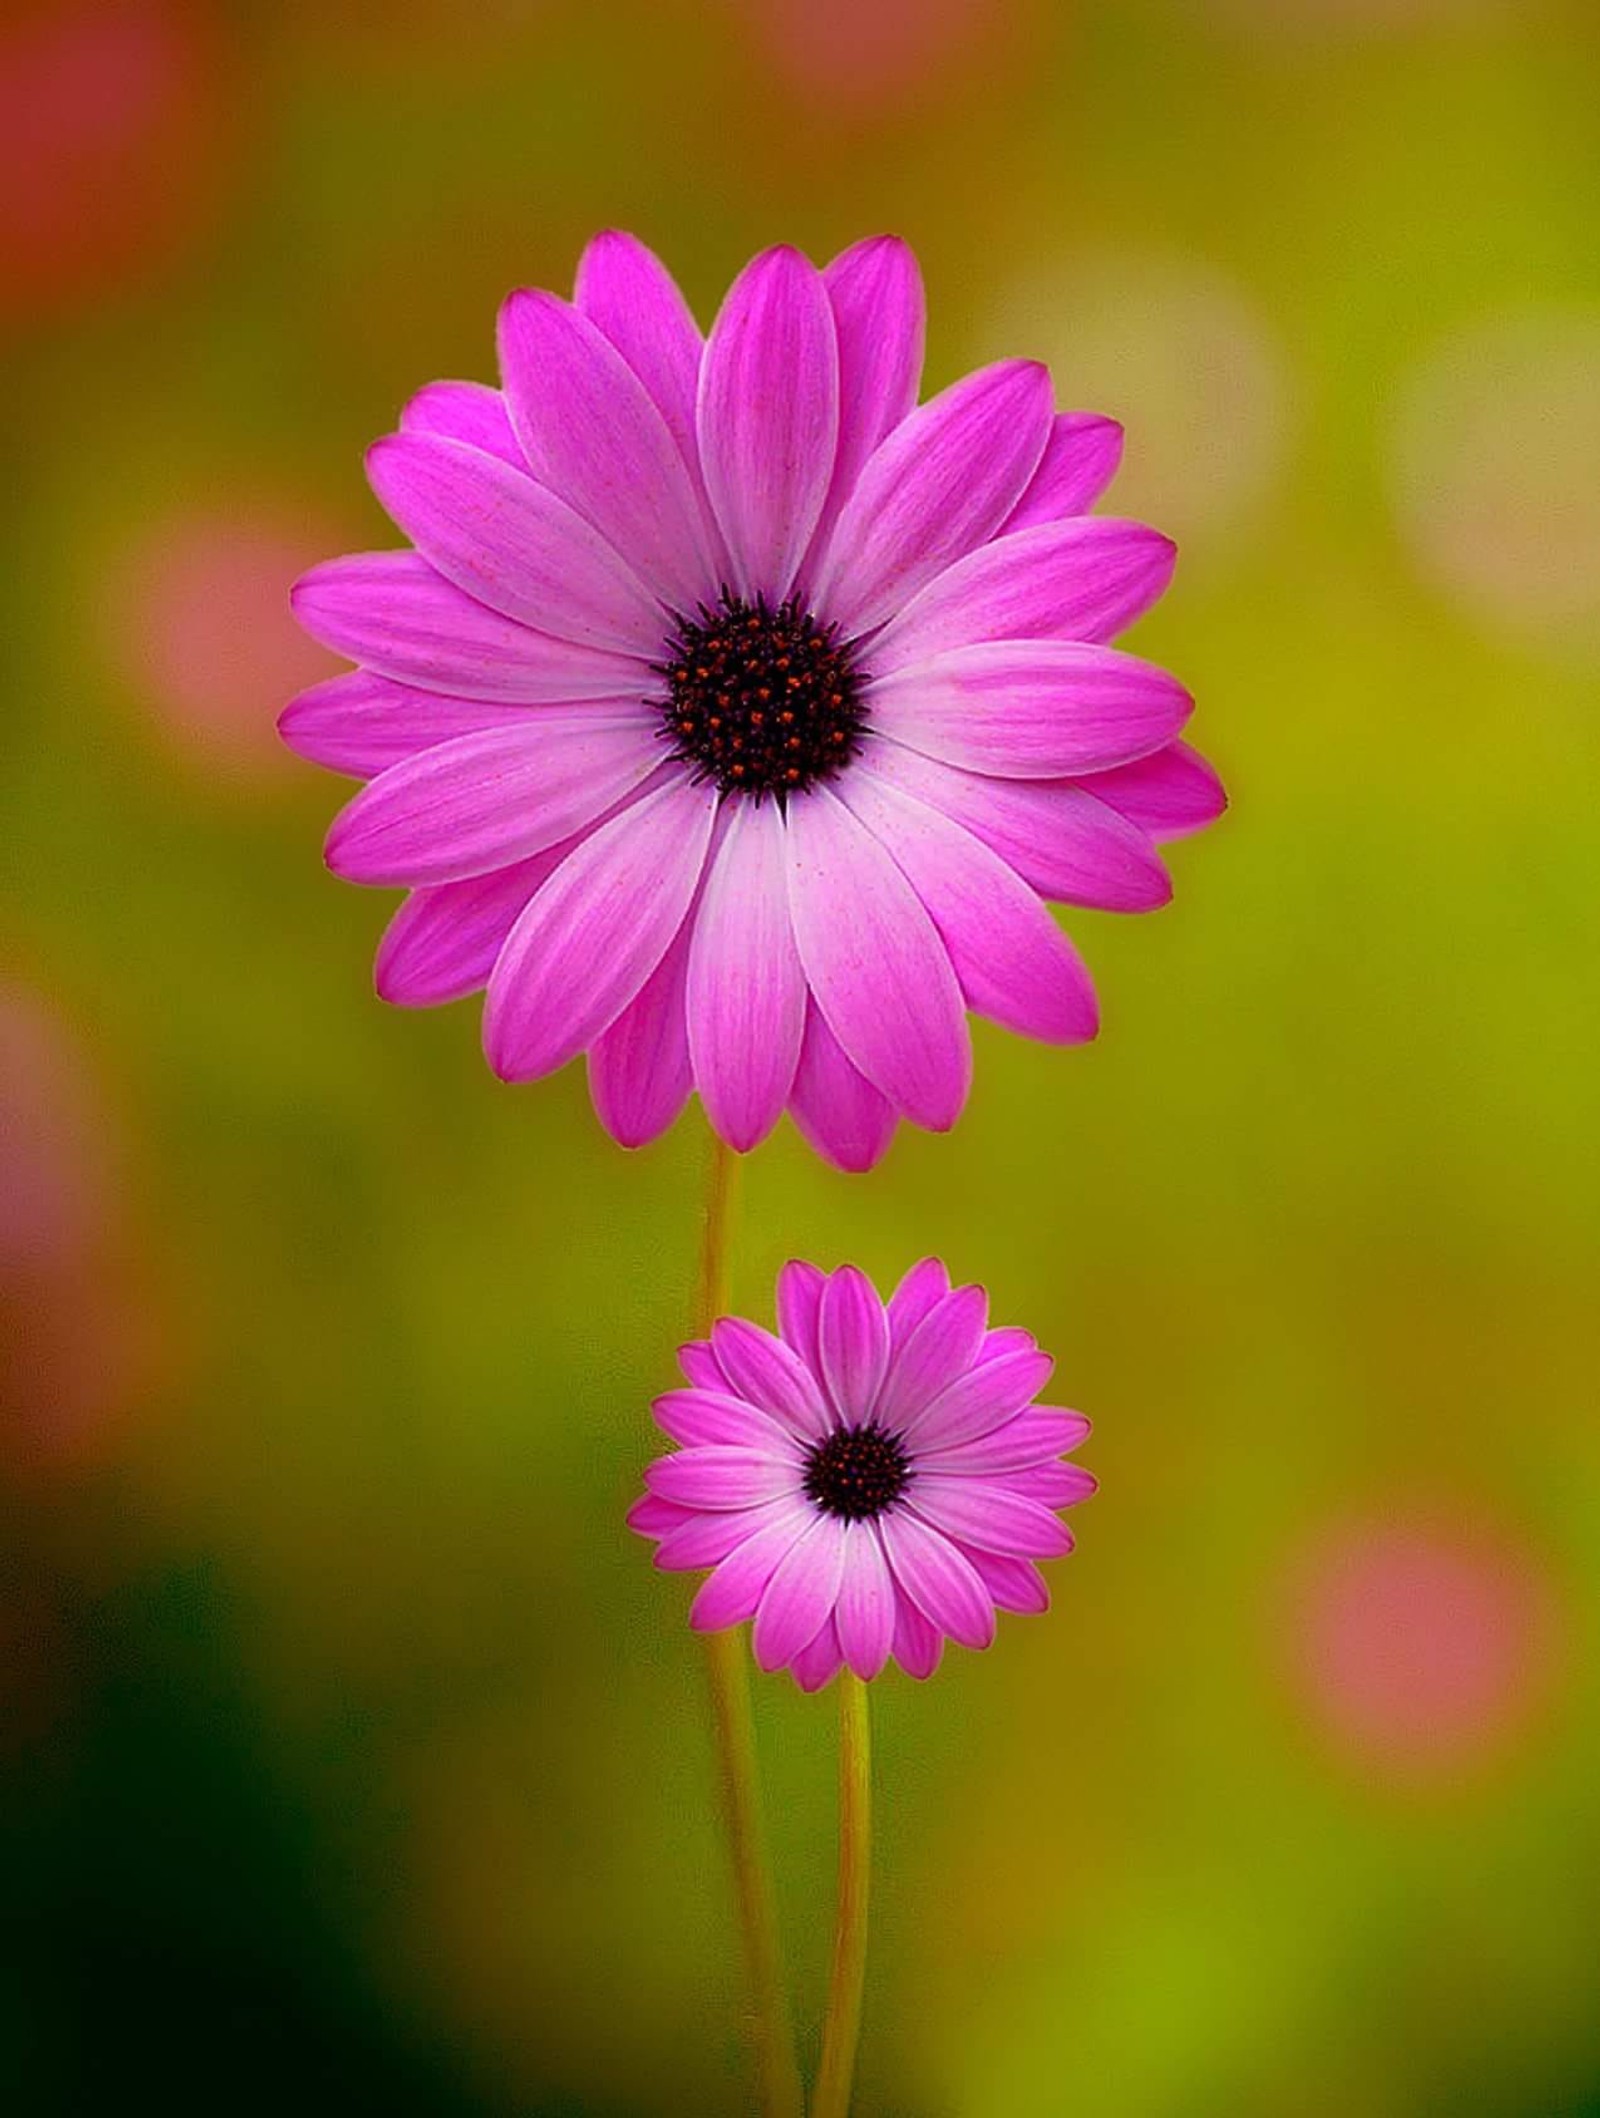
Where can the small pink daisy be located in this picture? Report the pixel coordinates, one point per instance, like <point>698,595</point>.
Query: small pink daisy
<point>873,1481</point>
<point>734,715</point>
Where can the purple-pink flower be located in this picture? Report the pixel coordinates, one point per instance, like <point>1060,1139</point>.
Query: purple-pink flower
<point>734,716</point>
<point>874,1480</point>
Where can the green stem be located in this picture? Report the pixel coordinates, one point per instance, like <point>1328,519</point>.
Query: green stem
<point>848,1977</point>
<point>772,2031</point>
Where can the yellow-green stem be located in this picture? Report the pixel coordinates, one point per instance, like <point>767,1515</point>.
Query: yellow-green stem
<point>772,2030</point>
<point>848,1977</point>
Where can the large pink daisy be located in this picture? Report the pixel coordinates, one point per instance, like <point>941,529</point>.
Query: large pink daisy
<point>734,714</point>
<point>873,1481</point>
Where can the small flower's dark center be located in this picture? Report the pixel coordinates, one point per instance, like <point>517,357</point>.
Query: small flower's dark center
<point>763,701</point>
<point>857,1472</point>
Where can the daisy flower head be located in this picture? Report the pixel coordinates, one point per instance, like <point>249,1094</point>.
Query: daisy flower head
<point>734,715</point>
<point>872,1481</point>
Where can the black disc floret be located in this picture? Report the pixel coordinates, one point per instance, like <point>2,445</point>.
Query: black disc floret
<point>761,699</point>
<point>858,1472</point>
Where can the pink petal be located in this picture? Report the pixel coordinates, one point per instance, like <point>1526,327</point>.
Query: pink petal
<point>1059,836</point>
<point>990,1516</point>
<point>819,1662</point>
<point>734,1590</point>
<point>878,308</point>
<point>443,941</point>
<point>1083,579</point>
<point>592,434</point>
<point>702,1370</point>
<point>483,801</point>
<point>362,724</point>
<point>853,1341</point>
<point>800,1288</point>
<point>654,1518</point>
<point>1032,1437</point>
<point>768,417</point>
<point>771,1375</point>
<point>639,1071</point>
<point>939,1581</point>
<point>880,973</point>
<point>1015,1584</point>
<point>864,1613</point>
<point>1002,1340</point>
<point>513,544</point>
<point>1031,709</point>
<point>798,1599</point>
<point>1014,963</point>
<point>980,1400</point>
<point>392,612</point>
<point>723,1477</point>
<point>1080,460</point>
<point>595,932</point>
<point>939,485</point>
<point>715,1418</point>
<point>926,1284</point>
<point>933,1353</point>
<point>836,1107</point>
<point>1169,794</point>
<point>746,994</point>
<point>1054,1485</point>
<point>918,1646</point>
<point>626,290</point>
<point>465,411</point>
<point>706,1540</point>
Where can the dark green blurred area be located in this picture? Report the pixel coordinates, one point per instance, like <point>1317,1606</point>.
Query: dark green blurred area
<point>353,1757</point>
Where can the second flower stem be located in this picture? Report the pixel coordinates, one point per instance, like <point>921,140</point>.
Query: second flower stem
<point>772,2028</point>
<point>848,1977</point>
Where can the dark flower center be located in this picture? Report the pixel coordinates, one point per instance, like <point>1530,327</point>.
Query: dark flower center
<point>857,1472</point>
<point>762,701</point>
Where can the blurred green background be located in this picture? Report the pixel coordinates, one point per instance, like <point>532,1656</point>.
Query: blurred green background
<point>353,1757</point>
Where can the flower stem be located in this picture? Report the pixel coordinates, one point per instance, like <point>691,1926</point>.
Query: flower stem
<point>848,1977</point>
<point>772,2031</point>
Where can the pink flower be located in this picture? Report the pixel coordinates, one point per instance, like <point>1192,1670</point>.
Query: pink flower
<point>734,715</point>
<point>873,1481</point>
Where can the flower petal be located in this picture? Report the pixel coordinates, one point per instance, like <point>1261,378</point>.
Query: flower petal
<point>392,612</point>
<point>513,544</point>
<point>1080,460</point>
<point>1031,709</point>
<point>746,994</point>
<point>1015,1584</point>
<point>880,973</point>
<point>1083,579</point>
<point>1169,794</point>
<point>1014,963</point>
<point>595,932</point>
<point>819,1662</point>
<point>702,1370</point>
<point>706,1540</point>
<point>1054,1485</point>
<point>715,1418</point>
<point>879,311</point>
<point>933,1353</point>
<point>853,1341</point>
<point>989,1515</point>
<point>939,1581</point>
<point>940,484</point>
<point>768,417</point>
<point>864,1613</point>
<point>639,1071</point>
<point>1063,839</point>
<point>800,1288</point>
<point>1035,1436</point>
<point>624,288</point>
<point>925,1285</point>
<point>799,1598</point>
<point>443,941</point>
<point>836,1107</point>
<point>980,1400</point>
<point>734,1590</point>
<point>465,411</point>
<point>362,724</point>
<point>723,1477</point>
<point>653,1517</point>
<point>918,1646</point>
<point>483,801</point>
<point>771,1375</point>
<point>592,434</point>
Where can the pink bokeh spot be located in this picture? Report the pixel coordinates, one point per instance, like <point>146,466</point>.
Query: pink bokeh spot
<point>109,128</point>
<point>870,52</point>
<point>1422,1646</point>
<point>204,633</point>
